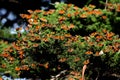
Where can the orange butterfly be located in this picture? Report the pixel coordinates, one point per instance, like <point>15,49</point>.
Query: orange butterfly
<point>61,12</point>
<point>76,59</point>
<point>83,16</point>
<point>11,58</point>
<point>45,39</point>
<point>62,18</point>
<point>69,15</point>
<point>97,12</point>
<point>38,11</point>
<point>35,45</point>
<point>46,65</point>
<point>33,65</point>
<point>30,11</point>
<point>71,26</point>
<point>67,35</point>
<point>62,60</point>
<point>104,17</point>
<point>118,8</point>
<point>92,6</point>
<point>64,27</point>
<point>69,5</point>
<point>1,78</point>
<point>76,13</point>
<point>24,67</point>
<point>5,55</point>
<point>88,52</point>
<point>26,16</point>
<point>18,29</point>
<point>85,8</point>
<point>70,50</point>
<point>75,7</point>
<point>86,62</point>
<point>3,65</point>
<point>43,19</point>
<point>17,68</point>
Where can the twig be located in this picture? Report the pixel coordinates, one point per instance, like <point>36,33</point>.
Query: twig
<point>115,75</point>
<point>58,75</point>
<point>97,76</point>
<point>83,72</point>
<point>106,4</point>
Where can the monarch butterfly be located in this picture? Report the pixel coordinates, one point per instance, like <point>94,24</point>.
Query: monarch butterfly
<point>35,45</point>
<point>27,28</point>
<point>45,39</point>
<point>70,78</point>
<point>34,22</point>
<point>88,52</point>
<point>110,6</point>
<point>83,16</point>
<point>104,17</point>
<point>33,65</point>
<point>110,34</point>
<point>67,35</point>
<point>18,29</point>
<point>69,5</point>
<point>70,50</point>
<point>17,68</point>
<point>62,59</point>
<point>94,34</point>
<point>21,56</point>
<point>61,12</point>
<point>30,11</point>
<point>21,52</point>
<point>3,65</point>
<point>19,35</point>
<point>5,54</point>
<point>76,13</point>
<point>75,7</point>
<point>85,8</point>
<point>69,15</point>
<point>118,8</point>
<point>46,65</point>
<point>98,38</point>
<point>37,38</point>
<point>97,12</point>
<point>51,11</point>
<point>62,18</point>
<point>76,59</point>
<point>97,53</point>
<point>32,38</point>
<point>86,62</point>
<point>38,11</point>
<point>24,67</point>
<point>90,12</point>
<point>64,27</point>
<point>104,31</point>
<point>92,6</point>
<point>1,78</point>
<point>37,27</point>
<point>56,37</point>
<point>10,50</point>
<point>71,26</point>
<point>11,58</point>
<point>43,19</point>
<point>27,16</point>
<point>17,48</point>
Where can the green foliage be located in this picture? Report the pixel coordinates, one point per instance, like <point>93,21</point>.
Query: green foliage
<point>54,42</point>
<point>114,1</point>
<point>6,36</point>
